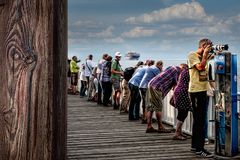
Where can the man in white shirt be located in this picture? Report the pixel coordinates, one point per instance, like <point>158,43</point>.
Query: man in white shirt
<point>88,73</point>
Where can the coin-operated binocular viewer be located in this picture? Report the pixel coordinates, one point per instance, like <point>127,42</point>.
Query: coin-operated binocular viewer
<point>226,116</point>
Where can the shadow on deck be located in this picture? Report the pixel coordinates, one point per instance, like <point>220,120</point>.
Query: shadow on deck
<point>97,132</point>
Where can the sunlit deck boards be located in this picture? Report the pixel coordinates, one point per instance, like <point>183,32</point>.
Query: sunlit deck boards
<point>97,132</point>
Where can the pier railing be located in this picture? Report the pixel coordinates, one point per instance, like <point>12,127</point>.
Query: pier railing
<point>170,114</point>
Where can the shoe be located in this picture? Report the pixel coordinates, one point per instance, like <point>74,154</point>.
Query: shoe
<point>115,106</point>
<point>123,112</point>
<point>144,121</point>
<point>133,119</point>
<point>179,137</point>
<point>164,130</point>
<point>185,136</point>
<point>154,120</point>
<point>206,141</point>
<point>204,154</point>
<point>193,149</point>
<point>105,105</point>
<point>151,130</point>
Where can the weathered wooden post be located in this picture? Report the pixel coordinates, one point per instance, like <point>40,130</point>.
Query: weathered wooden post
<point>33,57</point>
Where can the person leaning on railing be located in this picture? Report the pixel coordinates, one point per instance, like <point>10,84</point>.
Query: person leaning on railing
<point>158,88</point>
<point>181,101</point>
<point>149,74</point>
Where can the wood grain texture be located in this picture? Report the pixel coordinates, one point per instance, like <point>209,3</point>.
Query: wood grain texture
<point>2,2</point>
<point>33,48</point>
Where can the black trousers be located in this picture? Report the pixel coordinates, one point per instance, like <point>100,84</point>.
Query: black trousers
<point>99,101</point>
<point>143,93</point>
<point>182,115</point>
<point>83,88</point>
<point>199,115</point>
<point>107,91</point>
<point>135,100</point>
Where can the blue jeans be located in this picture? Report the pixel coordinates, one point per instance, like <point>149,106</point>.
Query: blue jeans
<point>221,129</point>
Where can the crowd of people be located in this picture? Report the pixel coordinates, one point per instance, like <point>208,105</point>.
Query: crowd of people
<point>145,85</point>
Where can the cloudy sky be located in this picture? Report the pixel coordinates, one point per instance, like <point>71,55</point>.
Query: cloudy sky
<point>157,29</point>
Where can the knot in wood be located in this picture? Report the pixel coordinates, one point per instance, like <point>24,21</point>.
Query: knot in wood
<point>15,56</point>
<point>30,59</point>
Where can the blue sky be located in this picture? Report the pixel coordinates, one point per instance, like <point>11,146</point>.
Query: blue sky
<point>157,29</point>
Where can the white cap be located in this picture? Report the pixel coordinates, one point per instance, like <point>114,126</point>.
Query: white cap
<point>118,54</point>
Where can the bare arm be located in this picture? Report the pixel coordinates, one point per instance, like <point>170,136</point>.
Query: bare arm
<point>116,72</point>
<point>201,66</point>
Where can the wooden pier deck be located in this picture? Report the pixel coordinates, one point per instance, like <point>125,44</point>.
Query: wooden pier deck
<point>97,132</point>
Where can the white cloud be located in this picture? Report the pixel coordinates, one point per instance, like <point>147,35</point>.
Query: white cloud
<point>83,23</point>
<point>216,29</point>
<point>107,33</point>
<point>74,34</point>
<point>238,18</point>
<point>70,33</point>
<point>139,32</point>
<point>72,41</point>
<point>233,20</point>
<point>114,40</point>
<point>193,11</point>
<point>167,26</point>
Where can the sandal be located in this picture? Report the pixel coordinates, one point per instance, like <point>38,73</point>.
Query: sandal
<point>164,130</point>
<point>185,136</point>
<point>151,130</point>
<point>179,137</point>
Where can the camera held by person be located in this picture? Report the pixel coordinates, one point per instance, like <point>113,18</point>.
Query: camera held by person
<point>218,48</point>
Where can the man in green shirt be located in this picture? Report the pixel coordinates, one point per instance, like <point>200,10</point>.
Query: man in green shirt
<point>74,74</point>
<point>116,73</point>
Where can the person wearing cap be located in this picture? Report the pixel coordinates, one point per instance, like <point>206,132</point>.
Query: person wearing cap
<point>74,74</point>
<point>117,72</point>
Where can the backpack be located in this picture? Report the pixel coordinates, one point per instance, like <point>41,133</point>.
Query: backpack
<point>128,73</point>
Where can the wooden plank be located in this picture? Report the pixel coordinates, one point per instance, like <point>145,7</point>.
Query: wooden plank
<point>33,54</point>
<point>96,132</point>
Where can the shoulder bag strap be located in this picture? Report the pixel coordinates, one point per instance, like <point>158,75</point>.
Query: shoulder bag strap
<point>88,67</point>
